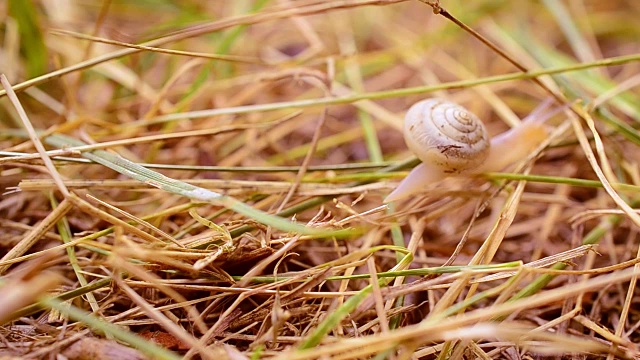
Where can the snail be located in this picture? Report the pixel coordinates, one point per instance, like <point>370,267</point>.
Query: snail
<point>452,141</point>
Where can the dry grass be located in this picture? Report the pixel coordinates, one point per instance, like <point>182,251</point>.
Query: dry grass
<point>252,109</point>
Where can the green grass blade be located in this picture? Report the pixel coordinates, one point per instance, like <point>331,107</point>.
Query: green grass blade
<point>196,193</point>
<point>31,40</point>
<point>65,233</point>
<point>117,332</point>
<point>351,304</point>
<point>305,103</point>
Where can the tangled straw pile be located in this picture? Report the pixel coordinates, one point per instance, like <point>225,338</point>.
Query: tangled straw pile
<point>206,179</point>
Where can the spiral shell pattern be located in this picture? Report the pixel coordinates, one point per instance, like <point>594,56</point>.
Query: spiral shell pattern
<point>446,135</point>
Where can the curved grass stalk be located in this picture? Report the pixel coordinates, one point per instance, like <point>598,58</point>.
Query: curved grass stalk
<point>393,274</point>
<point>298,104</point>
<point>195,193</point>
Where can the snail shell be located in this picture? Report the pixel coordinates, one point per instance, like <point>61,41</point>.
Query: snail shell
<point>452,141</point>
<point>446,135</point>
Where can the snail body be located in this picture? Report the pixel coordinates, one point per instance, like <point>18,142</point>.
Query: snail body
<point>452,141</point>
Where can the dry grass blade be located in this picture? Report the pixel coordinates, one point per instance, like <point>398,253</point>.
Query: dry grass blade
<point>35,234</point>
<point>25,285</point>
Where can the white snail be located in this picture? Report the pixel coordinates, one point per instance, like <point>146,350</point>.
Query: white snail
<point>452,141</point>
